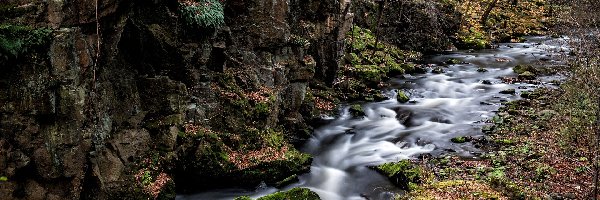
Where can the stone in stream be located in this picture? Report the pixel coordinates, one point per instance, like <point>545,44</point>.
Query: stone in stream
<point>402,115</point>
<point>508,91</point>
<point>486,82</point>
<point>481,70</point>
<point>453,61</point>
<point>356,110</point>
<point>402,97</point>
<point>437,70</point>
<point>296,193</point>
<point>527,75</point>
<point>404,174</point>
<point>519,69</point>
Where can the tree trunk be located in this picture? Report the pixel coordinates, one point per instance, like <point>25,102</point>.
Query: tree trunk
<point>486,14</point>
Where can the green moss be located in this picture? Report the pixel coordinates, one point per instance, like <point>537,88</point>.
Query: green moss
<point>293,194</point>
<point>356,110</point>
<point>459,139</point>
<point>519,69</point>
<point>3,178</point>
<point>453,61</point>
<point>402,97</point>
<point>204,13</point>
<point>273,138</point>
<point>402,173</point>
<point>527,75</point>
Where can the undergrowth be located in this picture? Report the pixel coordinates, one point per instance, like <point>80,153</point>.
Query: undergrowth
<point>203,13</point>
<point>16,40</point>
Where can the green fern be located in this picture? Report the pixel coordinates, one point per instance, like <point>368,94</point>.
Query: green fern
<point>204,13</point>
<point>18,40</point>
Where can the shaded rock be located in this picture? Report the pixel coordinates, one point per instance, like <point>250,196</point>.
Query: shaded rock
<point>486,82</point>
<point>438,70</point>
<point>508,91</point>
<point>402,115</point>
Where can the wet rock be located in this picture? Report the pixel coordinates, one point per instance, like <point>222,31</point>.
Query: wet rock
<point>486,82</point>
<point>295,193</point>
<point>481,70</point>
<point>460,139</point>
<point>453,61</point>
<point>508,91</point>
<point>527,75</point>
<point>402,97</point>
<point>356,110</point>
<point>402,115</point>
<point>438,70</point>
<point>402,173</point>
<point>519,69</point>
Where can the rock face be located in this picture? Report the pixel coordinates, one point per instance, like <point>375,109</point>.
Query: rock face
<point>73,127</point>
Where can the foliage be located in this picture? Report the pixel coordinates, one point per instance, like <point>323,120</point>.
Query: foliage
<point>16,40</point>
<point>506,22</point>
<point>368,65</point>
<point>204,13</point>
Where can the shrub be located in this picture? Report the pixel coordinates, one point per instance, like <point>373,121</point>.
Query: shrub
<point>18,40</point>
<point>203,13</point>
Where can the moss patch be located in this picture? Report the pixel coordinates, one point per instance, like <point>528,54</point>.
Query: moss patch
<point>293,194</point>
<point>404,174</point>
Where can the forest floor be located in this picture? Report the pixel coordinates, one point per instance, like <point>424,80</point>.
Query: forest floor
<point>527,157</point>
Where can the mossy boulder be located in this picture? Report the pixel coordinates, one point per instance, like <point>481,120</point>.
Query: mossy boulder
<point>404,174</point>
<point>402,97</point>
<point>460,139</point>
<point>519,69</point>
<point>293,194</point>
<point>356,110</point>
<point>527,75</point>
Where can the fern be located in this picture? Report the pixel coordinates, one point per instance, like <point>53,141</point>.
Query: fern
<point>204,13</point>
<point>20,40</point>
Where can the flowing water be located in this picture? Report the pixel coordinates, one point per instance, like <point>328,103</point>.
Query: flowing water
<point>443,106</point>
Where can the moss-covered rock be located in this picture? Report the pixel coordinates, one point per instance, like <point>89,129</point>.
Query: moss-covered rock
<point>402,97</point>
<point>356,110</point>
<point>404,174</point>
<point>527,75</point>
<point>460,139</point>
<point>293,194</point>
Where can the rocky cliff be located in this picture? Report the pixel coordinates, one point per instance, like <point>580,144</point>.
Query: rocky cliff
<point>126,99</point>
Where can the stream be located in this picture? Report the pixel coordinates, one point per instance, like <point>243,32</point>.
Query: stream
<point>457,102</point>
